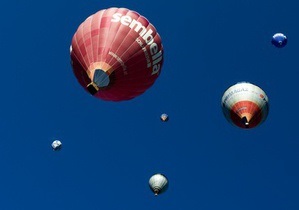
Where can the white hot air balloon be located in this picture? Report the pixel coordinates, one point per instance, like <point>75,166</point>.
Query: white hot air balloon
<point>158,183</point>
<point>164,117</point>
<point>56,145</point>
<point>245,105</point>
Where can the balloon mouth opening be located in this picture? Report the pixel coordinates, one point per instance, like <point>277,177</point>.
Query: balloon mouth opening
<point>100,80</point>
<point>57,148</point>
<point>245,122</point>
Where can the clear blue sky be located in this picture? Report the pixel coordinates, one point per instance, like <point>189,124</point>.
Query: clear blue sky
<point>110,150</point>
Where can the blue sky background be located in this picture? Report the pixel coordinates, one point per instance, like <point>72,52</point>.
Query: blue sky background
<point>110,149</point>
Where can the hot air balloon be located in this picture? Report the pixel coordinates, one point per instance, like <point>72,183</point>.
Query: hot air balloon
<point>116,54</point>
<point>279,40</point>
<point>158,183</point>
<point>56,145</point>
<point>245,105</point>
<point>164,117</point>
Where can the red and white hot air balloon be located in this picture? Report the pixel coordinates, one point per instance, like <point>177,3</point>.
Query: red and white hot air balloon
<point>245,105</point>
<point>116,54</point>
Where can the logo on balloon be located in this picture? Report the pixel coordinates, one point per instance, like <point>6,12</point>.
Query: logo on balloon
<point>155,58</point>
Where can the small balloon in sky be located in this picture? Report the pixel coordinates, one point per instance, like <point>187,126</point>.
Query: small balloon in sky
<point>164,117</point>
<point>158,183</point>
<point>245,105</point>
<point>56,145</point>
<point>279,40</point>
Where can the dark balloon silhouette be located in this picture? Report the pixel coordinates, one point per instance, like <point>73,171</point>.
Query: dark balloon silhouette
<point>279,40</point>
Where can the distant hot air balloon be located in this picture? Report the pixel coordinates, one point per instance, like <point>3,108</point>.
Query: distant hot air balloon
<point>279,40</point>
<point>164,117</point>
<point>116,54</point>
<point>158,183</point>
<point>245,105</point>
<point>56,145</point>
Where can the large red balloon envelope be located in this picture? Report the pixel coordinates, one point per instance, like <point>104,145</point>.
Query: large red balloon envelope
<point>116,54</point>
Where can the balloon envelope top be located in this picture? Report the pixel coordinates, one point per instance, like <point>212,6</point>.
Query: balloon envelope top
<point>245,105</point>
<point>279,40</point>
<point>116,54</point>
